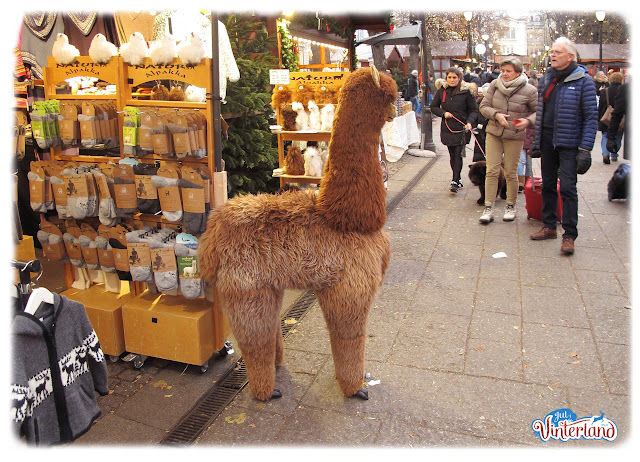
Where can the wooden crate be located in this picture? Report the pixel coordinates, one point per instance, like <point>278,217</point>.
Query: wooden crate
<point>104,310</point>
<point>170,327</point>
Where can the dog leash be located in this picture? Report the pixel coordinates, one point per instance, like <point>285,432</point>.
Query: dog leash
<point>460,131</point>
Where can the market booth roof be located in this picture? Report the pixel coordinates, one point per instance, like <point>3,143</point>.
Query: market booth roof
<point>406,35</point>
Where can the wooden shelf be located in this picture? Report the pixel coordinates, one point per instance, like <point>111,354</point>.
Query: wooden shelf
<point>305,136</point>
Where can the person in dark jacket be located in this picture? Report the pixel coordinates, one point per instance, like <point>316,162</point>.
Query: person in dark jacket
<point>566,123</point>
<point>413,89</point>
<point>601,81</point>
<point>608,97</point>
<point>494,74</point>
<point>620,112</point>
<point>455,102</point>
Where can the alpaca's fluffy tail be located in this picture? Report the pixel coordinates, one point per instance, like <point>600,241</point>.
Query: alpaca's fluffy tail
<point>208,260</point>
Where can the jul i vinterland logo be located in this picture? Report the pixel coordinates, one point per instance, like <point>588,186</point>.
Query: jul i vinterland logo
<point>563,425</point>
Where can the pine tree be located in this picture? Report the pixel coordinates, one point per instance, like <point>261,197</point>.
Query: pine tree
<point>250,153</point>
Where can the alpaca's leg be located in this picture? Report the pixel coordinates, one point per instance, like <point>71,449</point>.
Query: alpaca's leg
<point>345,312</point>
<point>254,320</point>
<point>279,339</point>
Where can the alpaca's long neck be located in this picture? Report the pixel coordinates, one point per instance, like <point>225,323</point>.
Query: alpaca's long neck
<point>352,194</point>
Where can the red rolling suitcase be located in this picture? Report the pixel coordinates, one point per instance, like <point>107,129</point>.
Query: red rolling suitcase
<point>533,199</point>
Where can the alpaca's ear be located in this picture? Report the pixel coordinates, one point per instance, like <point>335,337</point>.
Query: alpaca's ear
<point>375,75</point>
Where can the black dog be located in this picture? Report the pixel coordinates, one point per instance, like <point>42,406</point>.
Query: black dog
<point>478,174</point>
<point>618,187</point>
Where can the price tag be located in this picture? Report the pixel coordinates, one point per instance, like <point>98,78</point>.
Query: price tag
<point>279,77</point>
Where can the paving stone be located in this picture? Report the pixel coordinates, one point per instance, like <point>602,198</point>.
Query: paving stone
<point>325,428</point>
<point>479,406</point>
<point>456,252</point>
<point>415,433</point>
<point>547,271</point>
<point>488,358</point>
<point>496,327</point>
<point>411,245</point>
<point>498,295</point>
<point>237,426</point>
<point>610,318</point>
<point>616,360</point>
<point>586,402</point>
<point>431,340</point>
<point>590,280</point>
<point>553,306</point>
<point>115,430</point>
<point>561,356</point>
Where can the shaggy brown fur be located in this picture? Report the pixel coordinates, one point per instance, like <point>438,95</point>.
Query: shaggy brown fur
<point>255,247</point>
<point>478,175</point>
<point>323,95</point>
<point>303,93</point>
<point>294,161</point>
<point>281,96</point>
<point>288,118</point>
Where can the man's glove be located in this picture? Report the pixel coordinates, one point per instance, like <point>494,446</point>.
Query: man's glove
<point>612,146</point>
<point>535,153</point>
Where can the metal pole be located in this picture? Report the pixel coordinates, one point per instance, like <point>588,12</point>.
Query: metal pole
<point>600,68</point>
<point>426,129</point>
<point>215,95</point>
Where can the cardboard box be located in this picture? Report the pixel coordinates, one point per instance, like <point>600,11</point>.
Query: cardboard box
<point>170,327</point>
<point>104,310</point>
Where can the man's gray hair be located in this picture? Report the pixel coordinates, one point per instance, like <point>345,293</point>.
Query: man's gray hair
<point>569,46</point>
<point>517,65</point>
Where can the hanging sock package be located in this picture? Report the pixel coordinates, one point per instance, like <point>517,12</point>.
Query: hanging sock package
<point>167,182</point>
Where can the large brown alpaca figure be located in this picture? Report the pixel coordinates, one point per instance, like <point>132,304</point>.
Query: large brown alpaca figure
<point>255,247</point>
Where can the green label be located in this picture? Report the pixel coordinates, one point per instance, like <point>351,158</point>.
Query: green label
<point>188,267</point>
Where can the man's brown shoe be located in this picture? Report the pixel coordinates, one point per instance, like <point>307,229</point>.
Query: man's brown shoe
<point>544,233</point>
<point>567,245</point>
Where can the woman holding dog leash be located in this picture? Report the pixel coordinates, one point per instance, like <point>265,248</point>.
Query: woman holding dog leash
<point>510,105</point>
<point>455,102</point>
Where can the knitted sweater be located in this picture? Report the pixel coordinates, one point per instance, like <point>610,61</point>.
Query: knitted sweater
<point>57,364</point>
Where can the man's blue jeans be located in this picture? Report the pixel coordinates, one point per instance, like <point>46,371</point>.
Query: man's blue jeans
<point>562,163</point>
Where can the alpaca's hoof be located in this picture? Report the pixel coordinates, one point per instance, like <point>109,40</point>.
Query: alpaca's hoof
<point>276,394</point>
<point>362,394</point>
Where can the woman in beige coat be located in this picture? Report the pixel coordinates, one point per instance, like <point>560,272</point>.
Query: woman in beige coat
<point>510,106</point>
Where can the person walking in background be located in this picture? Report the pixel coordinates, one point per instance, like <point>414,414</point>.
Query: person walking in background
<point>455,102</point>
<point>601,81</point>
<point>619,114</point>
<point>524,167</point>
<point>566,122</point>
<point>608,97</point>
<point>533,78</point>
<point>510,106</point>
<point>413,88</point>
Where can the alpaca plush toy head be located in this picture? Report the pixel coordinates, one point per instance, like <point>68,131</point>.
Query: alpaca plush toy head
<point>195,94</point>
<point>323,95</point>
<point>281,95</point>
<point>303,93</point>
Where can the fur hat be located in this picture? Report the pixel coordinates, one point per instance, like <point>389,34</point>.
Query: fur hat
<point>469,86</point>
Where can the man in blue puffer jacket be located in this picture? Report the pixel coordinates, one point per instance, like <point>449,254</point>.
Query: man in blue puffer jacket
<point>566,122</point>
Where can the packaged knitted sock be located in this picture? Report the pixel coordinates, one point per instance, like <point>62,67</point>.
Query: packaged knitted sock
<point>118,243</point>
<point>146,192</point>
<point>77,192</point>
<point>163,260</point>
<point>191,284</point>
<point>200,134</point>
<point>58,190</point>
<point>107,212</point>
<point>125,190</point>
<point>146,145</point>
<point>74,250</point>
<point>88,135</point>
<point>139,258</point>
<point>167,182</point>
<point>193,201</point>
<point>161,137</point>
<point>180,137</point>
<point>89,247</point>
<point>36,189</point>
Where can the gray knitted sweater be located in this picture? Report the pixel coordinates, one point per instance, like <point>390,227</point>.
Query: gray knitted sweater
<point>57,364</point>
